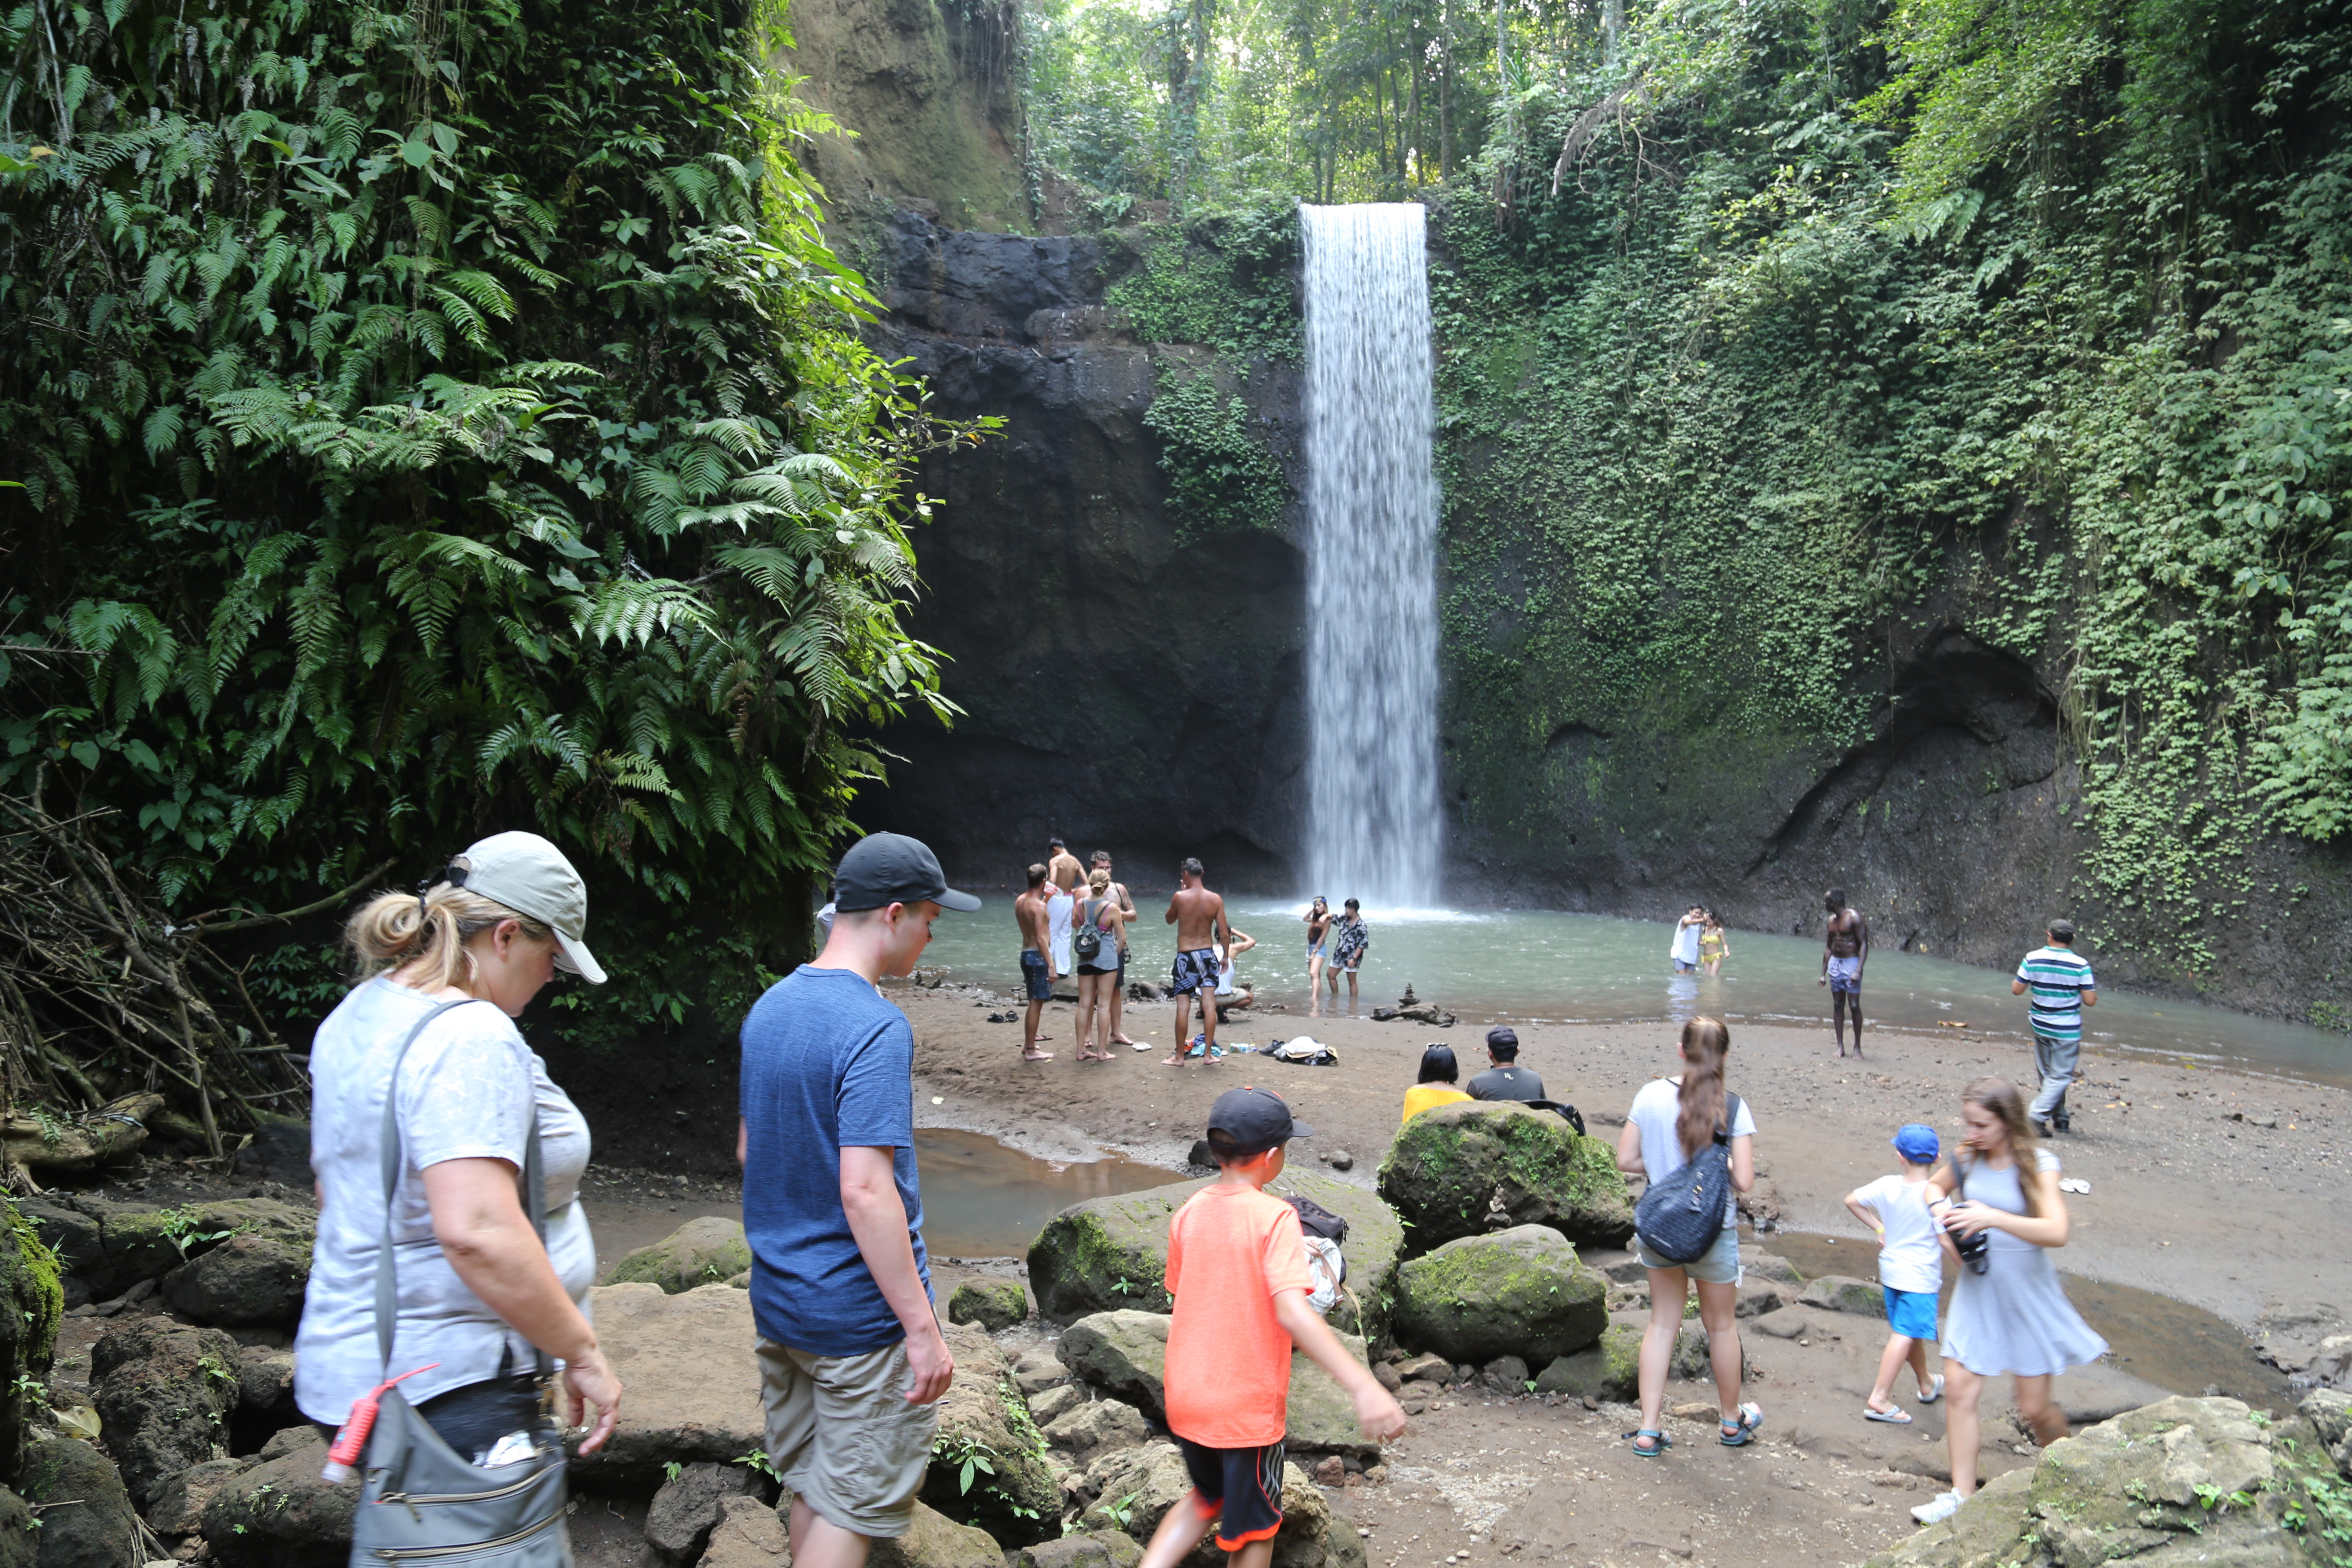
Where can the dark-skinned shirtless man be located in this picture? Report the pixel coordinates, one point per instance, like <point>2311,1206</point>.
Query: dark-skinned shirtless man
<point>1037,975</point>
<point>1844,951</point>
<point>1199,917</point>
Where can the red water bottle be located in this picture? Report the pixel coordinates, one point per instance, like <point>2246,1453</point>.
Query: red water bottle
<point>351,1441</point>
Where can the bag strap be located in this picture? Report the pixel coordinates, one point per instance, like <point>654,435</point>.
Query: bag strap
<point>387,1267</point>
<point>1730,1117</point>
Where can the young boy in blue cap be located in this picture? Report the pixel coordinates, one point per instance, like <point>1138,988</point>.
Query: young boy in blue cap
<point>1910,1269</point>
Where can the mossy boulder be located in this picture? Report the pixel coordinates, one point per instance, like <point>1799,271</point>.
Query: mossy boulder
<point>705,1251</point>
<point>1125,1354</point>
<point>1520,1292</point>
<point>1611,1369</point>
<point>282,1513</point>
<point>2181,1480</point>
<point>164,1392</point>
<point>20,1541</point>
<point>31,1303</point>
<point>1479,1165</point>
<point>934,1541</point>
<point>995,1306</point>
<point>248,1281</point>
<point>110,1246</point>
<point>984,1423</point>
<point>99,1529</point>
<point>1842,1293</point>
<point>1086,1549</point>
<point>1108,1254</point>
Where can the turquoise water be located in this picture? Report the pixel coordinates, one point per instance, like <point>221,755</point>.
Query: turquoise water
<point>1524,965</point>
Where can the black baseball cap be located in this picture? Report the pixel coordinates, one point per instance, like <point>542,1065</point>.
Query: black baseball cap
<point>1253,1119</point>
<point>1504,1036</point>
<point>884,869</point>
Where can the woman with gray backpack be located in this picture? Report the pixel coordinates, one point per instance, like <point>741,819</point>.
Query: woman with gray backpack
<point>1695,1142</point>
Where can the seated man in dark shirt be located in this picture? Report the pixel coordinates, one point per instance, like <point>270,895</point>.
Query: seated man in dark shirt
<point>1506,1080</point>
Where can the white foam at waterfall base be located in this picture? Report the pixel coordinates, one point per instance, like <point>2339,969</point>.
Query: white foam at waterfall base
<point>1374,828</point>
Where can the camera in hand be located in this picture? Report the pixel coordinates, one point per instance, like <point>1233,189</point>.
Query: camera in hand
<point>1975,1250</point>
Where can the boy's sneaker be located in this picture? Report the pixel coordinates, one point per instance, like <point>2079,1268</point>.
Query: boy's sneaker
<point>1937,1509</point>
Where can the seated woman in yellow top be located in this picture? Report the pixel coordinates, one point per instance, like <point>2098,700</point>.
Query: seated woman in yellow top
<point>1436,1085</point>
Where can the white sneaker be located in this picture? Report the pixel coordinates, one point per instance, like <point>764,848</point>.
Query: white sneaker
<point>1937,1509</point>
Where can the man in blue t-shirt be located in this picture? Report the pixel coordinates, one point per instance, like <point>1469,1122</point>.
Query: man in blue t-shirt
<point>2062,985</point>
<point>850,1354</point>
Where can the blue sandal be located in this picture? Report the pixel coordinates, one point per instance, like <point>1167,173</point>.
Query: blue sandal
<point>1740,1434</point>
<point>1660,1442</point>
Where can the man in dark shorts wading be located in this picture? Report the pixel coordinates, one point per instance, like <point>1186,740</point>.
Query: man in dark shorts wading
<point>1844,951</point>
<point>851,1359</point>
<point>1037,975</point>
<point>1119,993</point>
<point>1199,917</point>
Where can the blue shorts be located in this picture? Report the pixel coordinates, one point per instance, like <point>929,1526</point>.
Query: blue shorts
<point>1032,974</point>
<point>1911,1313</point>
<point>1845,976</point>
<point>1195,970</point>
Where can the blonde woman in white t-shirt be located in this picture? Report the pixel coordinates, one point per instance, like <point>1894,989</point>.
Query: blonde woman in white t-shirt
<point>1672,1119</point>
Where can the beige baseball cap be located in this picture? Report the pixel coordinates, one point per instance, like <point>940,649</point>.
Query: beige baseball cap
<point>530,876</point>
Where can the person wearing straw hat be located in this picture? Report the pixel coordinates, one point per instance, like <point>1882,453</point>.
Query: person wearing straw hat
<point>444,971</point>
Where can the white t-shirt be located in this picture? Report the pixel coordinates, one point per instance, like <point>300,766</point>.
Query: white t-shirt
<point>1912,1259</point>
<point>1685,949</point>
<point>467,1091</point>
<point>1655,1109</point>
<point>1224,977</point>
<point>1057,922</point>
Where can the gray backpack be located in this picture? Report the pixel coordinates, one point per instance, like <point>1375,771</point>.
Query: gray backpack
<point>422,1502</point>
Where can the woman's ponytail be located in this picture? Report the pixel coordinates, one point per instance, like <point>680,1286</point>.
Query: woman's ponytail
<point>426,934</point>
<point>1706,1042</point>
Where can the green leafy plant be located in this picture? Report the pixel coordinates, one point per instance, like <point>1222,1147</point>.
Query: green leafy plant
<point>756,1460</point>
<point>181,1227</point>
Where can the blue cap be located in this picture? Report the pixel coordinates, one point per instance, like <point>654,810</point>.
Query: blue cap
<point>1918,1143</point>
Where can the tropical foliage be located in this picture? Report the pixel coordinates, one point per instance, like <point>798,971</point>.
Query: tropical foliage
<point>432,420</point>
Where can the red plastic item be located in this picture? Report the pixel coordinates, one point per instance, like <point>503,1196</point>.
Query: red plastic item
<point>351,1441</point>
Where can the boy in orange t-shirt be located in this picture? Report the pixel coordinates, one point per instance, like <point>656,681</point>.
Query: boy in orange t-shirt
<point>1237,1268</point>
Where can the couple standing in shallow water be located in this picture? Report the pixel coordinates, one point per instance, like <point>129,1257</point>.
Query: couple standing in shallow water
<point>1344,937</point>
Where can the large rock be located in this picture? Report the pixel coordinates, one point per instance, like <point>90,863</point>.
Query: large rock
<point>1840,1293</point>
<point>163,1391</point>
<point>111,1247</point>
<point>179,1506</point>
<point>246,1282</point>
<point>705,1251</point>
<point>995,1305</point>
<point>1097,1425</point>
<point>31,1303</point>
<point>1086,1549</point>
<point>1126,1354</point>
<point>281,1513</point>
<point>988,1461</point>
<point>693,1383</point>
<point>1520,1292</point>
<point>934,1541</point>
<point>2181,1480</point>
<point>1611,1368</point>
<point>745,1532</point>
<point>20,1541</point>
<point>1111,1253</point>
<point>1478,1165</point>
<point>265,1397</point>
<point>684,1513</point>
<point>101,1528</point>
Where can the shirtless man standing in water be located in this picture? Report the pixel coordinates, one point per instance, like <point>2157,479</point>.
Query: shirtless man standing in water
<point>1843,952</point>
<point>1037,975</point>
<point>1199,917</point>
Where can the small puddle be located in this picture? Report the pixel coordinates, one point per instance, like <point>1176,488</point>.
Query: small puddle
<point>2169,1342</point>
<point>980,1199</point>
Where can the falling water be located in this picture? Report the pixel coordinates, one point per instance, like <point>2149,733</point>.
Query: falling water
<point>1374,828</point>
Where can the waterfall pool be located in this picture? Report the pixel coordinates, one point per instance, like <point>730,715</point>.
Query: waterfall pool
<point>1526,966</point>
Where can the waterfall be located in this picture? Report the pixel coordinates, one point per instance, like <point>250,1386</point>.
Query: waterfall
<point>1374,827</point>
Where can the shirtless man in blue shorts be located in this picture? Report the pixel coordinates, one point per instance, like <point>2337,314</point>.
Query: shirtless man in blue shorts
<point>1199,917</point>
<point>1844,951</point>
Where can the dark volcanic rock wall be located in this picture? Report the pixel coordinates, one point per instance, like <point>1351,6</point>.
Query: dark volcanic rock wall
<point>1118,690</point>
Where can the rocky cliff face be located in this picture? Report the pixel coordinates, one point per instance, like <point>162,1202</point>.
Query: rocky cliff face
<point>1121,689</point>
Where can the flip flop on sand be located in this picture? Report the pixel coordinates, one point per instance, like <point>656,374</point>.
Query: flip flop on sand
<point>1139,1045</point>
<point>1933,1392</point>
<point>1893,1417</point>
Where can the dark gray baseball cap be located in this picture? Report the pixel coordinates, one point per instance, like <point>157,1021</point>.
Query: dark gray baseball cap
<point>884,869</point>
<point>1253,1121</point>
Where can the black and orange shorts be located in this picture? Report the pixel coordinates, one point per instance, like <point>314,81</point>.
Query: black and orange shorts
<point>1241,1486</point>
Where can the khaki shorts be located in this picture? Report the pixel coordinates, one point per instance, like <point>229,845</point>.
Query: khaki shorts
<point>843,1437</point>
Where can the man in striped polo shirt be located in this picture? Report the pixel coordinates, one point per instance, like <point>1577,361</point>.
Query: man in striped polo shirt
<point>2059,980</point>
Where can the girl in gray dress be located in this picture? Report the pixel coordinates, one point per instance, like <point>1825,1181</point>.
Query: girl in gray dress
<point>2009,1312</point>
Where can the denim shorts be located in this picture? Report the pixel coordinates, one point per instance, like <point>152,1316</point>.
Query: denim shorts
<point>1718,1265</point>
<point>1032,974</point>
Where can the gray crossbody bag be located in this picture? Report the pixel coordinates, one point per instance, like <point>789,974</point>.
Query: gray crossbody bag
<point>421,1502</point>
